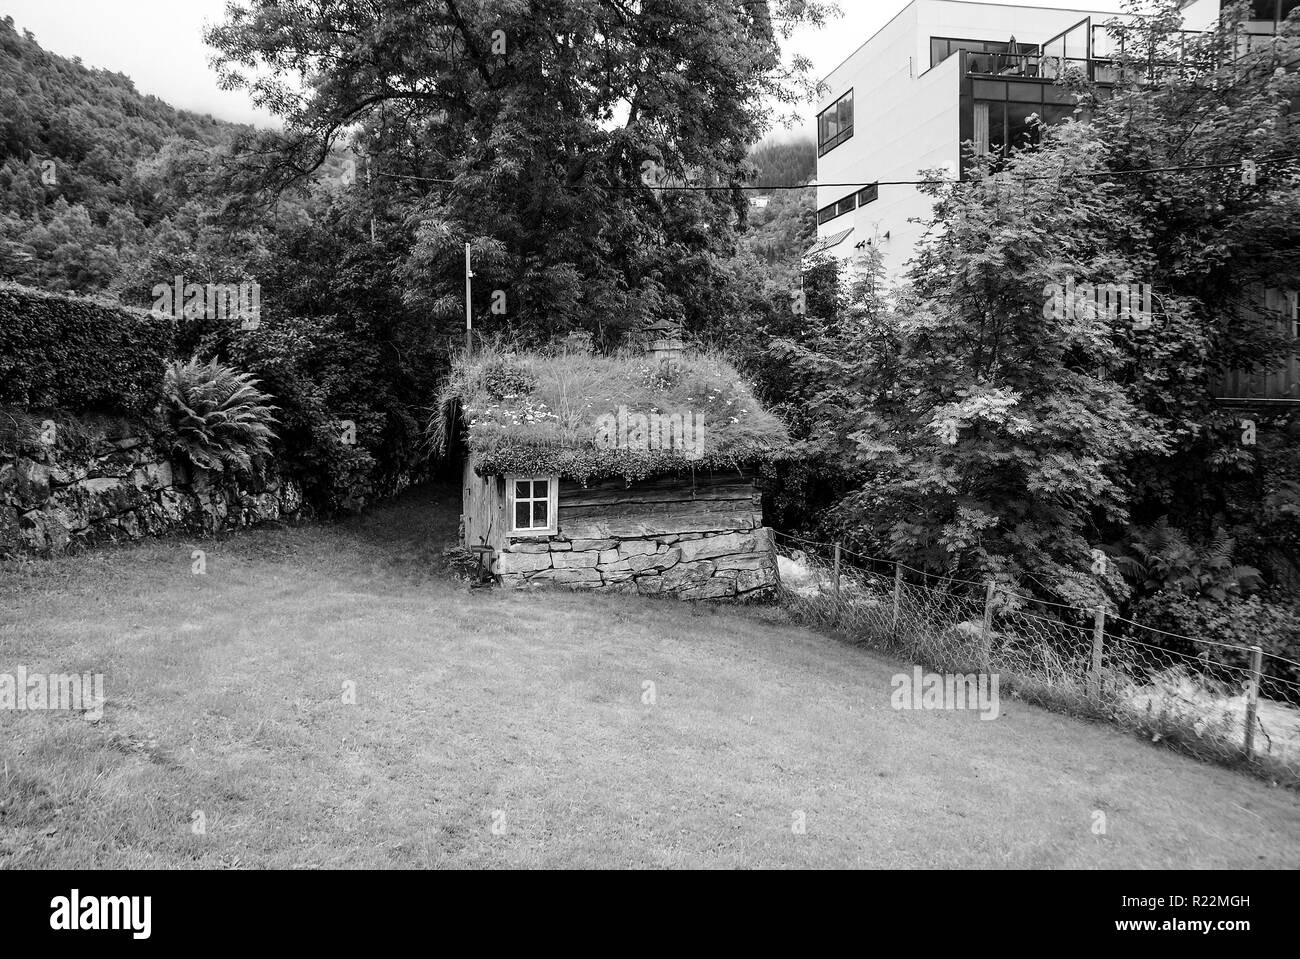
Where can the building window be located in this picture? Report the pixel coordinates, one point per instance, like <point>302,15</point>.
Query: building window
<point>868,194</point>
<point>985,54</point>
<point>531,502</point>
<point>835,124</point>
<point>1268,10</point>
<point>838,208</point>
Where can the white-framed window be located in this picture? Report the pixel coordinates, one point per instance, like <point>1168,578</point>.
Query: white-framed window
<point>530,503</point>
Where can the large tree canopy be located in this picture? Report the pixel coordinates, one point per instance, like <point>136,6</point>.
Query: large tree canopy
<point>526,128</point>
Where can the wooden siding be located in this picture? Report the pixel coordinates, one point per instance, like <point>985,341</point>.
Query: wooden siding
<point>484,508</point>
<point>1280,386</point>
<point>687,503</point>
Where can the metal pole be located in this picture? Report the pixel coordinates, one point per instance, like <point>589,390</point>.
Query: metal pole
<point>836,585</point>
<point>469,322</point>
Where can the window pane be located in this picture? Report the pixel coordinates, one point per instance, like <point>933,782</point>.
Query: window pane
<point>539,489</point>
<point>521,489</point>
<point>981,137</point>
<point>539,514</point>
<point>938,51</point>
<point>1054,113</point>
<point>521,516</point>
<point>1020,132</point>
<point>997,126</point>
<point>846,112</point>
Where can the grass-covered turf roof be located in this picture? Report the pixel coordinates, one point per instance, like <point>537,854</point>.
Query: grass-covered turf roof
<point>585,416</point>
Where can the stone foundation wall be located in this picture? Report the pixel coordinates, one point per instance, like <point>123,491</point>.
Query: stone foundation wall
<point>720,565</point>
<point>118,483</point>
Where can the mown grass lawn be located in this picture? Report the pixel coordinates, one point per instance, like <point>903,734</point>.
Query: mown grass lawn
<point>486,709</point>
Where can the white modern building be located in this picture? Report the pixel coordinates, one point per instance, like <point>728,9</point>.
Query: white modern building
<point>940,73</point>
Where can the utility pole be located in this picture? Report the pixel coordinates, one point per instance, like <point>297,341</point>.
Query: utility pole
<point>469,323</point>
<point>370,191</point>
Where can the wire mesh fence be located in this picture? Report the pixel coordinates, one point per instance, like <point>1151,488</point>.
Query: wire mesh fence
<point>1220,700</point>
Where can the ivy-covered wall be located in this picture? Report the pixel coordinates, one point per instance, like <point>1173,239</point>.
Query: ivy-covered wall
<point>77,354</point>
<point>66,483</point>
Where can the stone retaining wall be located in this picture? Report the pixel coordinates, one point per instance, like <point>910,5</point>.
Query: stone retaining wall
<point>118,483</point>
<point>725,565</point>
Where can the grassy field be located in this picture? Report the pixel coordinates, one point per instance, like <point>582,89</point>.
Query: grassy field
<point>495,729</point>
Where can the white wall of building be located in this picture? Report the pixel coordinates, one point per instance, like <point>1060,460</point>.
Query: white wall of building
<point>906,115</point>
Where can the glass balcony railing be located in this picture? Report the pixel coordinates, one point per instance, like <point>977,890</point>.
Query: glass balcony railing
<point>1109,55</point>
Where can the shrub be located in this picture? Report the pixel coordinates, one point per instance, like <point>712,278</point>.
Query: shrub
<point>325,371</point>
<point>218,416</point>
<point>1250,622</point>
<point>1162,558</point>
<point>80,355</point>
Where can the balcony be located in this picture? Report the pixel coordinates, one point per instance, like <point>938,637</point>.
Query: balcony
<point>1100,54</point>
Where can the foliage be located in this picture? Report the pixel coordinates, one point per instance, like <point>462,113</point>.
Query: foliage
<point>976,431</point>
<point>93,174</point>
<point>219,418</point>
<point>79,354</point>
<point>531,413</point>
<point>1161,559</point>
<point>529,141</point>
<point>1254,621</point>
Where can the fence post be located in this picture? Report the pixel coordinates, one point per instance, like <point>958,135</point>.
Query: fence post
<point>988,623</point>
<point>1098,638</point>
<point>835,584</point>
<point>898,590</point>
<point>1252,697</point>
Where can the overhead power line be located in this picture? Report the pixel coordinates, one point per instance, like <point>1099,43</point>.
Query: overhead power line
<point>1094,174</point>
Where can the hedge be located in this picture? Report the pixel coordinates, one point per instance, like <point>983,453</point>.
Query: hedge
<point>80,355</point>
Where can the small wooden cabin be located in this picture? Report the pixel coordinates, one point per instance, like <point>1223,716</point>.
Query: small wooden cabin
<point>617,474</point>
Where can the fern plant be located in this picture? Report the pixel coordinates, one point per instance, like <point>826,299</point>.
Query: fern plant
<point>1161,558</point>
<point>220,420</point>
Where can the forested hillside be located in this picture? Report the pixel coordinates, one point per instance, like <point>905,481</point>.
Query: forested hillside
<point>90,168</point>
<point>781,232</point>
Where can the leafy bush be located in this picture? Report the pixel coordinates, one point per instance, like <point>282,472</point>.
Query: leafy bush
<point>346,429</point>
<point>1250,622</point>
<point>1161,558</point>
<point>218,416</point>
<point>80,355</point>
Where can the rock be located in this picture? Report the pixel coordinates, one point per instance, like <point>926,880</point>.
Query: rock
<point>529,547</point>
<point>608,556</point>
<point>724,545</point>
<point>623,565</point>
<point>33,482</point>
<point>568,577</point>
<point>10,531</point>
<point>748,580</point>
<point>687,575</point>
<point>129,524</point>
<point>583,545</point>
<point>172,507</point>
<point>747,561</point>
<point>8,483</point>
<point>573,560</point>
<point>641,564</point>
<point>616,575</point>
<point>716,587</point>
<point>638,547</point>
<point>522,562</point>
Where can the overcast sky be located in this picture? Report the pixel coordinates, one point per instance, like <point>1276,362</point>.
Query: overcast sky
<point>159,45</point>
